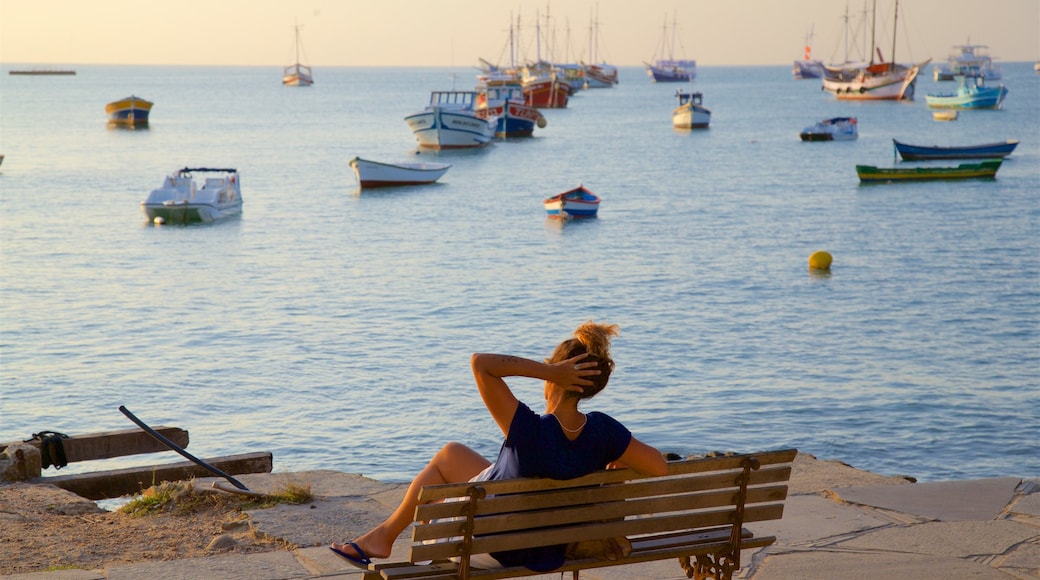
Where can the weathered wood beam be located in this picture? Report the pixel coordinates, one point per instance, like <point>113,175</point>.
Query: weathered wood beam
<point>109,444</point>
<point>119,482</point>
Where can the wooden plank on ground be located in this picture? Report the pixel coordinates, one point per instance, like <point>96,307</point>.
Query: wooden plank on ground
<point>119,482</point>
<point>109,444</point>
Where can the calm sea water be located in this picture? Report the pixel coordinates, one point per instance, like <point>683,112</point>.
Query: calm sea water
<point>333,327</point>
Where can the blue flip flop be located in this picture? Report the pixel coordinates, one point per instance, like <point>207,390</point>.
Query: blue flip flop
<point>361,562</point>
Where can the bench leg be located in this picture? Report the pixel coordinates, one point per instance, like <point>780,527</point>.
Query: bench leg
<point>717,566</point>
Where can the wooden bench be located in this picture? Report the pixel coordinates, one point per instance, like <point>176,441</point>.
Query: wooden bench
<point>695,514</point>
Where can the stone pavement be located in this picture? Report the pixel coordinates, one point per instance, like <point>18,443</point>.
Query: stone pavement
<point>839,522</point>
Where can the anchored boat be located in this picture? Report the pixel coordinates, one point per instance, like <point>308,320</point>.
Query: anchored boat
<point>576,203</point>
<point>376,174</point>
<point>179,201</point>
<point>132,111</point>
<point>987,151</point>
<point>983,170</point>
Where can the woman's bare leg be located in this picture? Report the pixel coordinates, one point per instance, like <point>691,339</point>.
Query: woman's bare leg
<point>454,463</point>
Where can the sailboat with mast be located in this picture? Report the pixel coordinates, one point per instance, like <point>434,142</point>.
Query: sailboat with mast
<point>670,70</point>
<point>807,68</point>
<point>602,75</point>
<point>877,80</point>
<point>297,74</point>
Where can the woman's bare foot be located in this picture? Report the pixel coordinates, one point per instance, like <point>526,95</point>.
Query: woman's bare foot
<point>373,544</point>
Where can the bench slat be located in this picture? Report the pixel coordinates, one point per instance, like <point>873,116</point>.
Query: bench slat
<point>565,534</point>
<point>597,512</point>
<point>639,488</point>
<point>438,492</point>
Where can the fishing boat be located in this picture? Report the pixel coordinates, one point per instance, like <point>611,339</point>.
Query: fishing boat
<point>180,201</point>
<point>576,203</point>
<point>833,129</point>
<point>450,121</point>
<point>505,100</point>
<point>986,151</point>
<point>971,94</point>
<point>807,68</point>
<point>602,75</point>
<point>132,111</point>
<point>544,87</point>
<point>691,112</point>
<point>297,74</point>
<point>375,174</point>
<point>669,69</point>
<point>967,58</point>
<point>877,80</point>
<point>983,170</point>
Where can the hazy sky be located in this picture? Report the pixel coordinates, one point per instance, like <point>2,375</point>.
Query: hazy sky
<point>457,32</point>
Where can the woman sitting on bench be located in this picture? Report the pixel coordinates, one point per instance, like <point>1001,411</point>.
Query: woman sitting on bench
<point>564,443</point>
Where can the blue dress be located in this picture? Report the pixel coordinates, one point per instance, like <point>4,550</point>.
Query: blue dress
<point>537,447</point>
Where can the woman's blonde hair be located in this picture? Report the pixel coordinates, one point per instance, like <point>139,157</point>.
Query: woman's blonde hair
<point>593,338</point>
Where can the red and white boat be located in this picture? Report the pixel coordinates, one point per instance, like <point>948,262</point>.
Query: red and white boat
<point>506,101</point>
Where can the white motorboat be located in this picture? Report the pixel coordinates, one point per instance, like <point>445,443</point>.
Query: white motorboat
<point>376,174</point>
<point>180,201</point>
<point>450,121</point>
<point>691,113</point>
<point>833,129</point>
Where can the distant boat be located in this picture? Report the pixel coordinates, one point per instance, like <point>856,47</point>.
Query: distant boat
<point>987,151</point>
<point>691,112</point>
<point>179,201</point>
<point>833,129</point>
<point>983,170</point>
<point>376,174</point>
<point>967,59</point>
<point>944,114</point>
<point>132,111</point>
<point>602,75</point>
<point>297,74</point>
<point>576,203</point>
<point>876,80</point>
<point>807,68</point>
<point>668,69</point>
<point>451,122</point>
<point>42,72</point>
<point>971,94</point>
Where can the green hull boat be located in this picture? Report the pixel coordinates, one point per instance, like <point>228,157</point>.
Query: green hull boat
<point>985,169</point>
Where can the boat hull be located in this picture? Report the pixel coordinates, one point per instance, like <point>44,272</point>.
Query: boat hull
<point>983,170</point>
<point>987,151</point>
<point>129,111</point>
<point>896,83</point>
<point>375,174</point>
<point>691,117</point>
<point>577,203</point>
<point>439,128</point>
<point>547,94</point>
<point>672,71</point>
<point>977,98</point>
<point>185,213</point>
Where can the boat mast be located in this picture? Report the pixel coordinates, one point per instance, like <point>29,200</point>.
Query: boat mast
<point>296,27</point>
<point>873,26</point>
<point>895,20</point>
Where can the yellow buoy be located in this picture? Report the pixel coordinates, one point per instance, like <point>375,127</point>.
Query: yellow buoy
<point>820,261</point>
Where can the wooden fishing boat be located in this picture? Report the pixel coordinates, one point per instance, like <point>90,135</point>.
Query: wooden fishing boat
<point>576,203</point>
<point>451,122</point>
<point>297,74</point>
<point>179,201</point>
<point>971,94</point>
<point>376,174</point>
<point>983,170</point>
<point>131,111</point>
<point>691,112</point>
<point>987,151</point>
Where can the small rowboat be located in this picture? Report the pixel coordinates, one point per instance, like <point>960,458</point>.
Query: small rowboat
<point>945,115</point>
<point>983,170</point>
<point>986,151</point>
<point>376,174</point>
<point>576,203</point>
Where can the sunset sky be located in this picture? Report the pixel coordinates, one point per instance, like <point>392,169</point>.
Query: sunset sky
<point>457,33</point>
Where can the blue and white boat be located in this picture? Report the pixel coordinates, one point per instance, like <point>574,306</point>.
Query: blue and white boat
<point>669,69</point>
<point>833,129</point>
<point>997,150</point>
<point>505,100</point>
<point>575,203</point>
<point>450,121</point>
<point>972,93</point>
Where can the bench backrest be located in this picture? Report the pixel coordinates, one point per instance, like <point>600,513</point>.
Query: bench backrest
<point>482,517</point>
